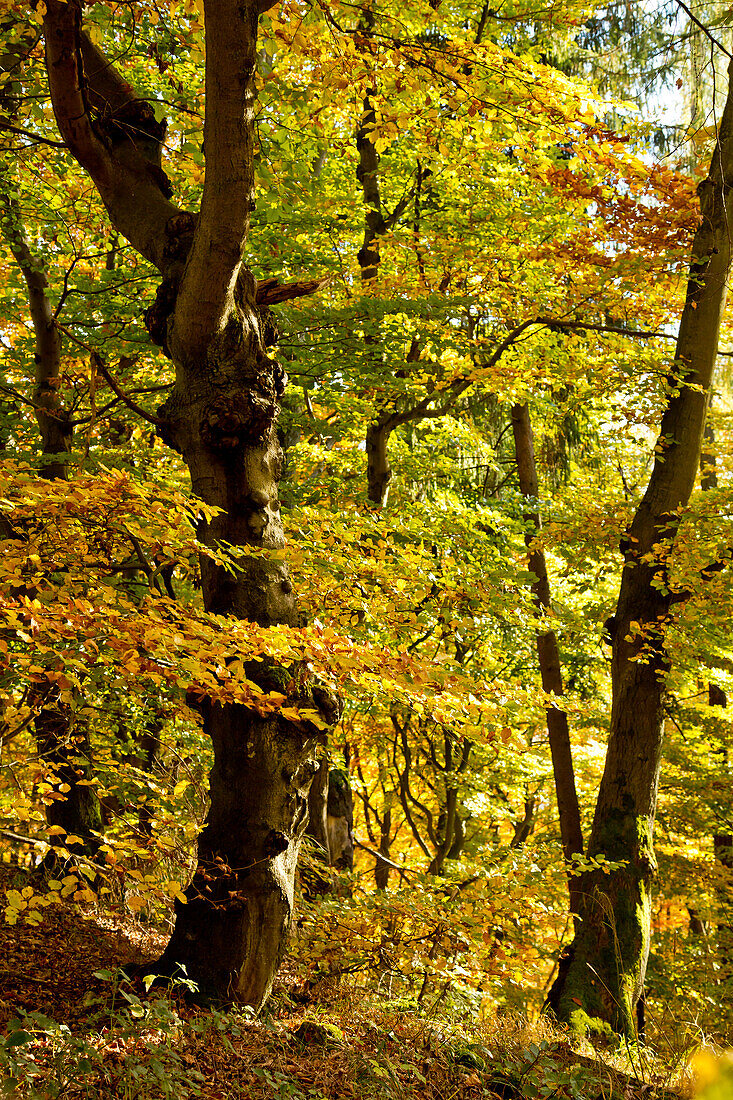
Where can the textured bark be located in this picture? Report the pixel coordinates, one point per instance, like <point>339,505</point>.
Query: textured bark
<point>340,820</point>
<point>221,418</point>
<point>548,654</point>
<point>317,827</point>
<point>232,932</point>
<point>603,974</point>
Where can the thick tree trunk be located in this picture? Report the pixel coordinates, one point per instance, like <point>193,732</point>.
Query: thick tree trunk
<point>221,418</point>
<point>548,654</point>
<point>379,470</point>
<point>603,974</point>
<point>232,932</point>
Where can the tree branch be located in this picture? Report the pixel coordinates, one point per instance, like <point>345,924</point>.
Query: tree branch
<point>99,366</point>
<point>704,29</point>
<point>271,291</point>
<point>214,267</point>
<point>127,183</point>
<point>5,125</point>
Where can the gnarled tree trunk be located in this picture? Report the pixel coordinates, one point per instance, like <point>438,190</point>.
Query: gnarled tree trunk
<point>221,418</point>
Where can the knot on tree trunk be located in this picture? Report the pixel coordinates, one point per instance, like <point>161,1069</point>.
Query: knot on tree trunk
<point>135,137</point>
<point>302,687</point>
<point>179,232</point>
<point>237,420</point>
<point>157,315</point>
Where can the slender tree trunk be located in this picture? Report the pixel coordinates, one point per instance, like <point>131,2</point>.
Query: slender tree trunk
<point>318,809</point>
<point>722,842</point>
<point>382,868</point>
<point>723,849</point>
<point>604,972</point>
<point>64,748</point>
<point>379,470</point>
<point>523,829</point>
<point>340,820</point>
<point>548,654</point>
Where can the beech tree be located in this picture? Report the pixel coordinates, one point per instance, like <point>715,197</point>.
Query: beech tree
<point>220,416</point>
<point>602,973</point>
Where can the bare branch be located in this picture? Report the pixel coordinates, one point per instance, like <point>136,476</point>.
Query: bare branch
<point>101,368</point>
<point>37,138</point>
<point>271,291</point>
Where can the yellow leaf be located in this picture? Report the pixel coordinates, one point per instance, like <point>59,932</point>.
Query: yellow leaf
<point>135,903</point>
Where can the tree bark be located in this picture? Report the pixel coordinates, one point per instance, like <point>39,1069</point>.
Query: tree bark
<point>603,974</point>
<point>548,655</point>
<point>53,419</point>
<point>221,418</point>
<point>382,867</point>
<point>379,471</point>
<point>317,827</point>
<point>63,748</point>
<point>340,820</point>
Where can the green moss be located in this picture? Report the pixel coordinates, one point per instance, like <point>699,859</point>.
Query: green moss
<point>467,1056</point>
<point>319,1033</point>
<point>269,675</point>
<point>591,1027</point>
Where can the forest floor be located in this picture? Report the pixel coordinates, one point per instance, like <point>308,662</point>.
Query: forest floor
<point>70,1026</point>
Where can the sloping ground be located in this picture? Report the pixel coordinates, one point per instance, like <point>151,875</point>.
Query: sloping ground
<point>67,1033</point>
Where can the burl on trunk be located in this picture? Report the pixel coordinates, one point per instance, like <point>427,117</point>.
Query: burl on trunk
<point>221,418</point>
